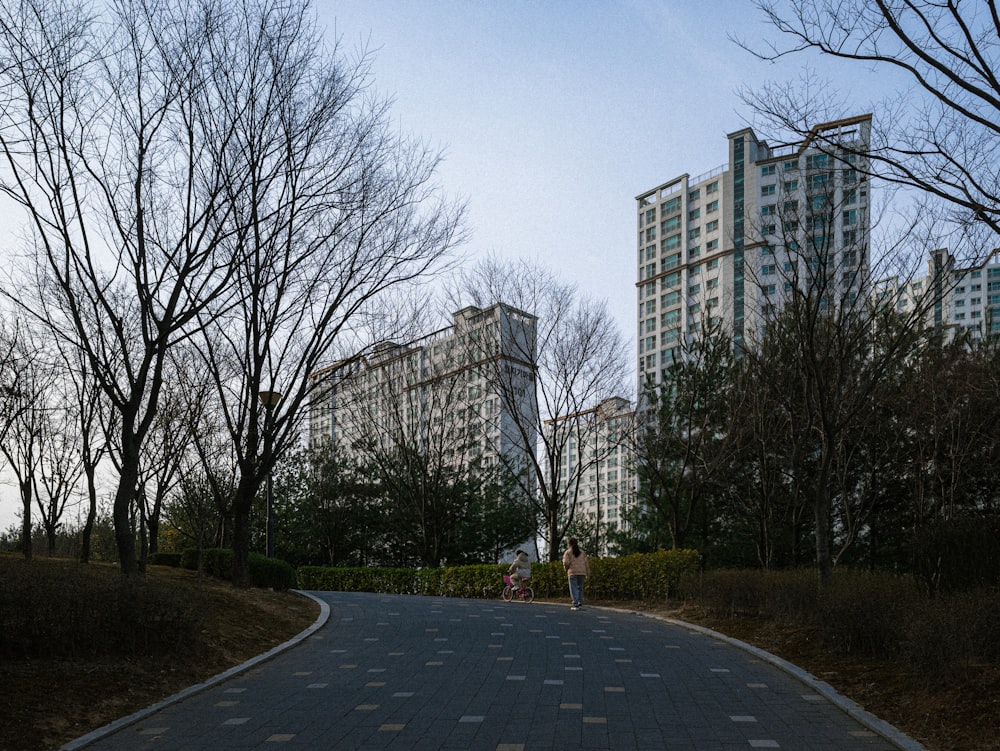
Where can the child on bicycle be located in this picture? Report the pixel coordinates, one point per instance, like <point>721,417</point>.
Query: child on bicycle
<point>520,569</point>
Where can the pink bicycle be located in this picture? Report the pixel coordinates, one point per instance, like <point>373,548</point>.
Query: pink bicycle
<point>524,593</point>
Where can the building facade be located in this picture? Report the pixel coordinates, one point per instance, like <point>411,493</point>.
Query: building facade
<point>723,250</point>
<point>463,393</point>
<point>960,300</point>
<point>597,472</point>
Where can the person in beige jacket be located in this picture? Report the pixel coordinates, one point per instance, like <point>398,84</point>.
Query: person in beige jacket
<point>577,569</point>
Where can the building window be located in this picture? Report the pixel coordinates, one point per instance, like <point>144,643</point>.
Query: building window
<point>712,187</point>
<point>671,262</point>
<point>850,217</point>
<point>768,270</point>
<point>711,245</point>
<point>673,224</point>
<point>791,185</point>
<point>789,166</point>
<point>693,214</point>
<point>767,190</point>
<point>694,233</point>
<point>694,251</point>
<point>817,161</point>
<point>766,170</point>
<point>768,210</point>
<point>713,206</point>
<point>712,226</point>
<point>694,289</point>
<point>672,280</point>
<point>671,207</point>
<point>694,195</point>
<point>713,264</point>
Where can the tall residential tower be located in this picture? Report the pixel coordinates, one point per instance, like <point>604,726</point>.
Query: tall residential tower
<point>723,250</point>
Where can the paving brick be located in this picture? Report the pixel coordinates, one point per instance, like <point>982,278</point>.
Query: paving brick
<point>402,672</point>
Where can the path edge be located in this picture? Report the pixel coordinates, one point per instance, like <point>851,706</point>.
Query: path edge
<point>849,707</point>
<point>113,727</point>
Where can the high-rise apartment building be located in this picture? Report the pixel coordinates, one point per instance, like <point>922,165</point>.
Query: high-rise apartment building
<point>957,299</point>
<point>465,393</point>
<point>725,249</point>
<point>596,470</point>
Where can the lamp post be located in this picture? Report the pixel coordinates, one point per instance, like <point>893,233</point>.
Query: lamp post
<point>270,400</point>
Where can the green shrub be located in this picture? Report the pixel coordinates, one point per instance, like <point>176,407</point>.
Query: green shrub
<point>269,573</point>
<point>266,573</point>
<point>165,559</point>
<point>640,576</point>
<point>367,579</point>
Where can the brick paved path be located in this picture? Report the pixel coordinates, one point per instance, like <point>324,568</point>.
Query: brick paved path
<point>399,672</point>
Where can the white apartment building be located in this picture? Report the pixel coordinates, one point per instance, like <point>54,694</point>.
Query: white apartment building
<point>724,248</point>
<point>956,299</point>
<point>597,467</point>
<point>455,391</point>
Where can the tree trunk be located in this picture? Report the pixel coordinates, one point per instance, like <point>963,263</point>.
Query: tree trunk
<point>25,487</point>
<point>246,491</point>
<point>824,557</point>
<point>121,514</point>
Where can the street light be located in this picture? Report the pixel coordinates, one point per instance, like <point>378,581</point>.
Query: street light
<point>270,400</point>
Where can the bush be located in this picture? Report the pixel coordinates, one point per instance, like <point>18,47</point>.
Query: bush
<point>165,559</point>
<point>867,614</point>
<point>640,576</point>
<point>266,573</point>
<point>754,594</point>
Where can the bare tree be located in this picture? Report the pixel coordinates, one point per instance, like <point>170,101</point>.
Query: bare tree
<point>331,210</point>
<point>185,165</point>
<point>576,359</point>
<point>822,303</point>
<point>942,136</point>
<point>26,400</point>
<point>108,147</point>
<point>86,401</point>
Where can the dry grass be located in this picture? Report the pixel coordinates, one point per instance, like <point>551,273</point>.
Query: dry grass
<point>48,702</point>
<point>957,713</point>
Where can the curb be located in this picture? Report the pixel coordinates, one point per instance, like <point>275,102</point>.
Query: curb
<point>870,721</point>
<point>85,740</point>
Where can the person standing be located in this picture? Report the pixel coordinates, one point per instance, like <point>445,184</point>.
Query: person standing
<point>577,569</point>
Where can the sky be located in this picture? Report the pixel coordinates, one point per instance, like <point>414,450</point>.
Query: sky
<point>553,116</point>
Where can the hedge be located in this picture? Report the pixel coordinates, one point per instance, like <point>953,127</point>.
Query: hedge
<point>266,573</point>
<point>632,577</point>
